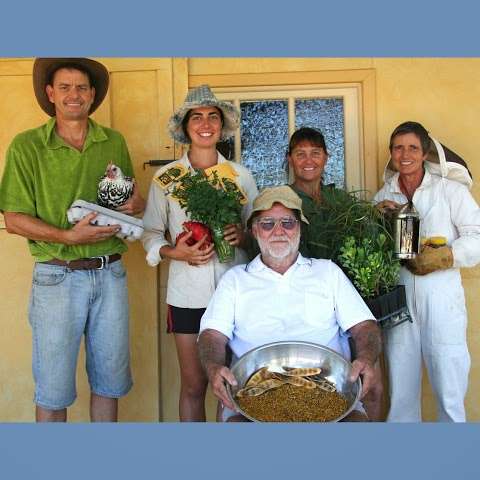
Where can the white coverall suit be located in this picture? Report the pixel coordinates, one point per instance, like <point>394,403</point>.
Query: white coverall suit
<point>436,303</point>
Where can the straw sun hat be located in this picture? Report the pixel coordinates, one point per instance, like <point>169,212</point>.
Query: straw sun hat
<point>203,97</point>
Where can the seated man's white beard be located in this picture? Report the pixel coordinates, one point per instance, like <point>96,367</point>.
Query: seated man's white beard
<point>279,251</point>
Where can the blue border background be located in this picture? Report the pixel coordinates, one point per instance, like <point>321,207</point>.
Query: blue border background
<point>240,451</point>
<point>241,28</point>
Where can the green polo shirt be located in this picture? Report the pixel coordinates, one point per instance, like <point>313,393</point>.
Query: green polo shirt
<point>43,176</point>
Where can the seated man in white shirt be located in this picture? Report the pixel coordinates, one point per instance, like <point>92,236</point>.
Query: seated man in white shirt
<point>281,295</point>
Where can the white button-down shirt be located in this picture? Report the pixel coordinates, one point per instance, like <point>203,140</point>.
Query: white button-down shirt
<point>312,301</point>
<point>188,286</point>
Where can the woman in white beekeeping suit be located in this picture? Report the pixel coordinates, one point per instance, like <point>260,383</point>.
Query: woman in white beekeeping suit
<point>437,181</point>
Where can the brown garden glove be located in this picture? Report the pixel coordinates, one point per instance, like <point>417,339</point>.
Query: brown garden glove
<point>431,259</point>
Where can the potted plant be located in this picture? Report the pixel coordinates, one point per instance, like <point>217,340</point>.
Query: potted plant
<point>213,201</point>
<point>355,235</point>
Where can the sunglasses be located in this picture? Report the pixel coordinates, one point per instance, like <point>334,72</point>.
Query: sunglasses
<point>268,224</point>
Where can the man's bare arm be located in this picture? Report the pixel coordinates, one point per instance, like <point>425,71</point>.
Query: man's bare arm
<point>212,351</point>
<point>368,345</point>
<point>35,229</point>
<point>367,340</point>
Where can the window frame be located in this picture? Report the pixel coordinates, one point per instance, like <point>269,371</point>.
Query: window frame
<point>364,79</point>
<point>351,96</point>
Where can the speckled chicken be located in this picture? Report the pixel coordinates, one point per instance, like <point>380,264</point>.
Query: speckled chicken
<point>114,188</point>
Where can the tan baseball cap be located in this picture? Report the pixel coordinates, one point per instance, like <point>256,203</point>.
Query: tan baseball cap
<point>283,195</point>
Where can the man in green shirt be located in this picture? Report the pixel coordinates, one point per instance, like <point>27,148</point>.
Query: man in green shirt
<point>79,283</point>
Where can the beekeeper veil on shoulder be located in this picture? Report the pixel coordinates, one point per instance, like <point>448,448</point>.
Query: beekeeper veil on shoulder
<point>445,163</point>
<point>440,161</point>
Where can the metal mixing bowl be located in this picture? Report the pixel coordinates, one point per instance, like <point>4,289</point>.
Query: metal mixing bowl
<point>297,354</point>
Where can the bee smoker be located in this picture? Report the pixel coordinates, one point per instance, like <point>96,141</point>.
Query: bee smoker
<point>407,232</point>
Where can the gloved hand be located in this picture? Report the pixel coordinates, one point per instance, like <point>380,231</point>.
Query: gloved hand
<point>431,259</point>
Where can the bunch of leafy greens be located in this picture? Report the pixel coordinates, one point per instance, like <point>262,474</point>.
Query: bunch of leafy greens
<point>353,233</point>
<point>208,199</point>
<point>371,267</point>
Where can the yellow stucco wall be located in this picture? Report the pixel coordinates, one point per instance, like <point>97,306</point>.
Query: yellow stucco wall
<point>443,94</point>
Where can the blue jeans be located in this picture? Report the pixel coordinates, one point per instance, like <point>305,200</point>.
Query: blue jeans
<point>65,305</point>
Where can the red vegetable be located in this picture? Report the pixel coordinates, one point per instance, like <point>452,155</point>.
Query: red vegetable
<point>199,230</point>
<point>189,242</point>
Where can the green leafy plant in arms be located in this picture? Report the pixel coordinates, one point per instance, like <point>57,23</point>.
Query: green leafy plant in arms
<point>353,233</point>
<point>209,200</point>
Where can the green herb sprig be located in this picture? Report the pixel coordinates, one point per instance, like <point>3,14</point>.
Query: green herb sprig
<point>209,200</point>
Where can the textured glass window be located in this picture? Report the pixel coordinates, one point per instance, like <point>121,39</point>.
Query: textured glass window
<point>264,137</point>
<point>326,114</point>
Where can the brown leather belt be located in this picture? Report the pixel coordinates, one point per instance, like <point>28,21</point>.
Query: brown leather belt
<point>93,263</point>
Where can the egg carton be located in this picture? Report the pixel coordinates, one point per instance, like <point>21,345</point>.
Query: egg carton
<point>131,228</point>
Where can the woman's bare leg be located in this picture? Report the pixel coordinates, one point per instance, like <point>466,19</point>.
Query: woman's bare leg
<point>193,380</point>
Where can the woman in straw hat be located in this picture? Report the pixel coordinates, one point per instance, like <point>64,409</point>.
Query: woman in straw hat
<point>201,122</point>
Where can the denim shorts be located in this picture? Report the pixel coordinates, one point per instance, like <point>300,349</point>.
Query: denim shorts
<point>66,305</point>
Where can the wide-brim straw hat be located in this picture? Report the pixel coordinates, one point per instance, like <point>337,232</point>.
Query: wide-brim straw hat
<point>271,195</point>
<point>199,97</point>
<point>44,67</point>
